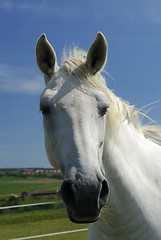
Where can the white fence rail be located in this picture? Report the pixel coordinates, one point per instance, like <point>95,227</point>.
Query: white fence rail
<point>43,235</point>
<point>51,234</point>
<point>28,205</point>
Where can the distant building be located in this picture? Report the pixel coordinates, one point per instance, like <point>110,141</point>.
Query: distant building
<point>40,193</point>
<point>36,171</point>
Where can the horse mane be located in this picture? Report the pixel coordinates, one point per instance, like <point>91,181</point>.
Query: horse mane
<point>74,63</point>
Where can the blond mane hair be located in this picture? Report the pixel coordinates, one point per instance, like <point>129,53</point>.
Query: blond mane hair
<point>74,63</point>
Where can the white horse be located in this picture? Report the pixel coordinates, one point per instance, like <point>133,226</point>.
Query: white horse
<point>110,162</point>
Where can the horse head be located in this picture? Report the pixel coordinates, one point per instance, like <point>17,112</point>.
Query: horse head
<point>74,122</point>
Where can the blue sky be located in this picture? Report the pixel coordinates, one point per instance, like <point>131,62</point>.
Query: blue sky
<point>133,32</point>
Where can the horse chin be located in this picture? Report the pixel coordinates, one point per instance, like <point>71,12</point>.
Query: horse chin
<point>82,222</point>
<point>75,218</point>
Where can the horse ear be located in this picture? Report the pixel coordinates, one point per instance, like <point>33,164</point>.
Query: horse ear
<point>97,54</point>
<point>45,56</point>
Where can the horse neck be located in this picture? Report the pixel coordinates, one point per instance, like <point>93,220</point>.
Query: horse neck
<point>127,162</point>
<point>122,157</point>
<point>122,145</point>
<point>128,152</point>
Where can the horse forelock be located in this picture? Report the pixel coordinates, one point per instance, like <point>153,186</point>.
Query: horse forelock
<point>74,63</point>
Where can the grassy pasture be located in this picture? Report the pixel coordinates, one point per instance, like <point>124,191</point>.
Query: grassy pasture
<point>37,223</point>
<point>17,224</point>
<point>16,185</point>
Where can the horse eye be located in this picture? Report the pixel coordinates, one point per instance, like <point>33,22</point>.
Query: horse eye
<point>45,110</point>
<point>104,110</point>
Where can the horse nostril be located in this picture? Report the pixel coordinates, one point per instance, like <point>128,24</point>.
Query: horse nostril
<point>103,193</point>
<point>84,200</point>
<point>67,192</point>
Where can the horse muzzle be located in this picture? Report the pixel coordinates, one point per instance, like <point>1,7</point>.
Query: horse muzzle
<point>84,199</point>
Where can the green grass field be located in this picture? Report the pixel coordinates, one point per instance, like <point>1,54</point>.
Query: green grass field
<point>31,222</point>
<point>15,185</point>
<point>17,225</point>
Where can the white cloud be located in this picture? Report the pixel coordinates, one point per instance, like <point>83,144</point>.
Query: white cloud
<point>18,79</point>
<point>42,7</point>
<point>22,5</point>
<point>153,12</point>
<point>149,11</point>
<point>7,5</point>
